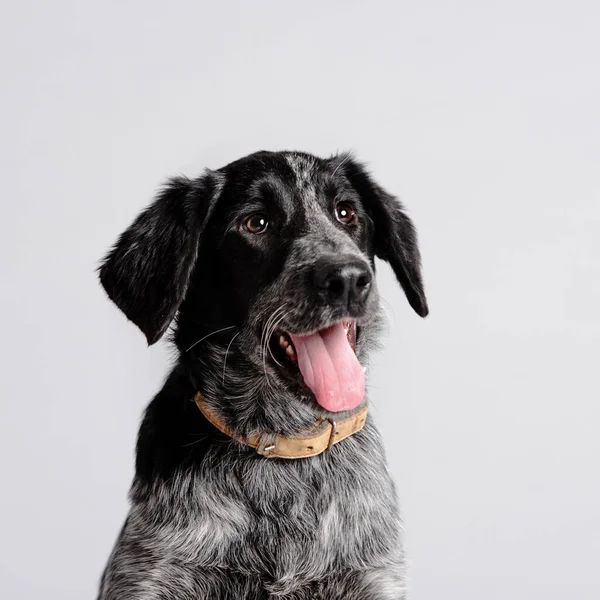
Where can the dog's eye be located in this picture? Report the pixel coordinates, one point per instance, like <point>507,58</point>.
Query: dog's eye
<point>345,213</point>
<point>256,223</point>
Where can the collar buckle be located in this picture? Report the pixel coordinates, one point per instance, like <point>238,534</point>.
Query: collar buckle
<point>266,446</point>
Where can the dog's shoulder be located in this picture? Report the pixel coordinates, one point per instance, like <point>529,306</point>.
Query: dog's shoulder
<point>173,434</point>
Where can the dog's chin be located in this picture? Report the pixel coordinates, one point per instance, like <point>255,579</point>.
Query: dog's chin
<point>323,362</point>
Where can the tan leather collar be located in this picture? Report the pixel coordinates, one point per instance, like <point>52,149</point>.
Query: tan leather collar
<point>315,441</point>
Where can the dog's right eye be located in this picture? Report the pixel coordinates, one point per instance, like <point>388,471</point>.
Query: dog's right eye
<point>257,223</point>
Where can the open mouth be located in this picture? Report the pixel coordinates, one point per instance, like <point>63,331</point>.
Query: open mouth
<point>286,344</point>
<point>327,362</point>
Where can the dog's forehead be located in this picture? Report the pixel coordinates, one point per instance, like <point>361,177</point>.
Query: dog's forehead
<point>304,168</point>
<point>291,179</point>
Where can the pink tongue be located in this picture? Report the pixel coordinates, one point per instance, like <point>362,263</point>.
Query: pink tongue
<point>330,368</point>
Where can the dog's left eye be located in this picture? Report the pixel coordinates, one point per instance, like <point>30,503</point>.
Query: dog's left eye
<point>345,213</point>
<point>257,223</point>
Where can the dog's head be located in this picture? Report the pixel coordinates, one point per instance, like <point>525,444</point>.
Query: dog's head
<point>267,267</point>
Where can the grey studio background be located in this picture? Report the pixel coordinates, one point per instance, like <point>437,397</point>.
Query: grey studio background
<point>482,117</point>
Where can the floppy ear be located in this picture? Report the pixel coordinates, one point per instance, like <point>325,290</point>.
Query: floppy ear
<point>395,237</point>
<point>146,273</point>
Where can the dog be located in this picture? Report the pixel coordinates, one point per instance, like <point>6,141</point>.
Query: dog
<point>259,474</point>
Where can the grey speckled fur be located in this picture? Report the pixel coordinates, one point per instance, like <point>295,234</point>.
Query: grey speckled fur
<point>314,518</point>
<point>211,519</point>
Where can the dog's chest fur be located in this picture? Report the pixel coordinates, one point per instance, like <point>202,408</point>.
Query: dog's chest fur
<point>285,521</point>
<point>287,529</point>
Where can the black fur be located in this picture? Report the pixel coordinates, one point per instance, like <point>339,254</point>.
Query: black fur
<point>210,518</point>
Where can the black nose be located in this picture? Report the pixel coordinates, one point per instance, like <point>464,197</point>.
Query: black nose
<point>343,281</point>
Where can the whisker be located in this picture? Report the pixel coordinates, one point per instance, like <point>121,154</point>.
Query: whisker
<point>226,352</point>
<point>269,347</point>
<point>273,329</point>
<point>267,326</point>
<point>268,330</point>
<point>341,163</point>
<point>274,359</point>
<point>194,442</point>
<point>208,335</point>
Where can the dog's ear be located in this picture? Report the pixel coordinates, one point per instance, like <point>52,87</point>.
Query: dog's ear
<point>146,273</point>
<point>395,238</point>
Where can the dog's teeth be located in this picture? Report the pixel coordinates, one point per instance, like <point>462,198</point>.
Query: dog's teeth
<point>290,351</point>
<point>364,369</point>
<point>283,342</point>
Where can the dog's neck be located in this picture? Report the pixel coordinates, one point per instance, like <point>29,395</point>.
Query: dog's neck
<point>248,397</point>
<point>324,434</point>
<point>250,394</point>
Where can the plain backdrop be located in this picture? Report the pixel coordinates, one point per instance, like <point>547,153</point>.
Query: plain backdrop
<point>482,116</point>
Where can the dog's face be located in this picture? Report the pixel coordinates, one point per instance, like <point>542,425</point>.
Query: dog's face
<point>269,265</point>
